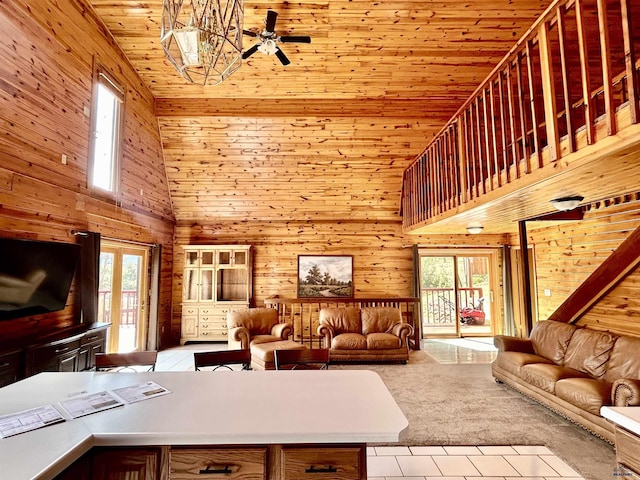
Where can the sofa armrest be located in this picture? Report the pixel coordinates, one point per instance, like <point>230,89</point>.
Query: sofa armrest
<point>240,334</point>
<point>505,343</point>
<point>327,332</point>
<point>404,331</point>
<point>625,392</point>
<point>282,330</point>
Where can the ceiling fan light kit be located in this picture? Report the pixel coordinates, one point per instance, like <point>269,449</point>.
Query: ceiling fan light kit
<point>474,229</point>
<point>202,39</point>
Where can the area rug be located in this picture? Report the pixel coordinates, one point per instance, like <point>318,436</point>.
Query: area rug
<point>463,405</point>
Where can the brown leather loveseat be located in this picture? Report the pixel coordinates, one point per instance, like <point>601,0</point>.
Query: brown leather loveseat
<point>368,334</point>
<point>572,370</point>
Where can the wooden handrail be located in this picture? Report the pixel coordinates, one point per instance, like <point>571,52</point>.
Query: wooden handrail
<point>514,122</point>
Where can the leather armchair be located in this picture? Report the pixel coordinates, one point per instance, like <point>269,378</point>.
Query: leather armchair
<point>256,325</point>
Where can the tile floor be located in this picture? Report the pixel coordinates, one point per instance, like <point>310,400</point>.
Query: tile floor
<point>433,463</point>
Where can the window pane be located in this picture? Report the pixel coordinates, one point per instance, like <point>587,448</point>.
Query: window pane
<point>104,157</point>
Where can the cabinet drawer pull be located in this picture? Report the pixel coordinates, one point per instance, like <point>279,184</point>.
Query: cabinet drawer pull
<point>215,470</point>
<point>328,469</point>
<point>4,365</point>
<point>91,339</point>
<point>60,350</point>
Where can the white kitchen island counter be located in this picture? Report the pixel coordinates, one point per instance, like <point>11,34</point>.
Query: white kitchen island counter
<point>204,408</point>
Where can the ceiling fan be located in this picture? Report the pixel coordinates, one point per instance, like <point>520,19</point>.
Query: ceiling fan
<point>268,40</point>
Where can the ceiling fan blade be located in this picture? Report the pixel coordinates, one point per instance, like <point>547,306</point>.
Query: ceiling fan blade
<point>282,57</point>
<point>294,39</point>
<point>271,21</point>
<point>250,52</point>
<point>250,33</point>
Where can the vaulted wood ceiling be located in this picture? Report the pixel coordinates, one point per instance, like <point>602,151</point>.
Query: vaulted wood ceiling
<point>327,137</point>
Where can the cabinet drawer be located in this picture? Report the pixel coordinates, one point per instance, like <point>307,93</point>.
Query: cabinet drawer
<point>94,336</point>
<point>227,463</point>
<point>189,311</point>
<point>628,449</point>
<point>323,463</point>
<point>9,368</point>
<point>45,353</point>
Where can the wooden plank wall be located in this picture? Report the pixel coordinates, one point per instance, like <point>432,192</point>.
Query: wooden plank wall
<point>382,254</point>
<point>47,52</point>
<point>567,253</point>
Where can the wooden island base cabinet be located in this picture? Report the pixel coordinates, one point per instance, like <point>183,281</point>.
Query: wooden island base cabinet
<point>240,425</point>
<point>270,462</point>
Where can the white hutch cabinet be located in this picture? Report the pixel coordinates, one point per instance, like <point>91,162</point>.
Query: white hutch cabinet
<point>217,279</point>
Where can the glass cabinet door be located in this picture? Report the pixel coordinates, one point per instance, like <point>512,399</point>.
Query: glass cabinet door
<point>191,258</point>
<point>207,259</point>
<point>239,257</point>
<point>206,284</point>
<point>191,284</point>
<point>225,258</point>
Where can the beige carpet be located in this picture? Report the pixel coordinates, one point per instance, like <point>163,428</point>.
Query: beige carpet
<point>462,405</point>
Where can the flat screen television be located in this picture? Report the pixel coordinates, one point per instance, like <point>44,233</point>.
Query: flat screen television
<point>35,276</point>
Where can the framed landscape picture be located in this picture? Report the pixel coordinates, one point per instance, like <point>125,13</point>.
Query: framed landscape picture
<point>327,276</point>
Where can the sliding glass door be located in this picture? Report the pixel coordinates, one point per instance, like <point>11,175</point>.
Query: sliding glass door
<point>121,295</point>
<point>456,292</point>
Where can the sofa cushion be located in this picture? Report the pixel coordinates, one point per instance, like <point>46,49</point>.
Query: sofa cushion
<point>550,339</point>
<point>349,341</point>
<point>545,376</point>
<point>382,341</point>
<point>264,339</point>
<point>512,362</point>
<point>624,361</point>
<point>380,319</point>
<point>586,393</point>
<point>342,319</point>
<point>589,351</point>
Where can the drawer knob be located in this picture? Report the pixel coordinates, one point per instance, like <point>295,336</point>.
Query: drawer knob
<point>216,470</point>
<point>328,469</point>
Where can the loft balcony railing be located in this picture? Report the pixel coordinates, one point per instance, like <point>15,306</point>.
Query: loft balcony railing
<point>572,80</point>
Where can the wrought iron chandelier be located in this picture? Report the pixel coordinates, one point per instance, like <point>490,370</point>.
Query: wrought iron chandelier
<point>203,38</point>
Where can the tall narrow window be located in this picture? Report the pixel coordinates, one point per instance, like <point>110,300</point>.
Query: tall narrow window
<point>106,133</point>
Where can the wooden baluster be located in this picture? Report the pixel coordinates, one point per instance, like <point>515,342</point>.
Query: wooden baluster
<point>503,127</point>
<point>523,125</point>
<point>512,121</point>
<point>487,146</point>
<point>584,71</point>
<point>568,107</point>
<point>463,147</point>
<point>480,162</point>
<point>494,136</point>
<point>633,85</point>
<point>548,92</point>
<point>534,115</point>
<point>606,67</point>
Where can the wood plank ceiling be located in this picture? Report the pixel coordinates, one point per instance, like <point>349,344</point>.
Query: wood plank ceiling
<point>327,137</point>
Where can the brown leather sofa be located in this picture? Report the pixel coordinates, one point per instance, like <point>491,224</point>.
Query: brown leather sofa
<point>368,334</point>
<point>572,370</point>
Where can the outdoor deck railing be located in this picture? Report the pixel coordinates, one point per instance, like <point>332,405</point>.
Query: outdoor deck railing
<point>570,81</point>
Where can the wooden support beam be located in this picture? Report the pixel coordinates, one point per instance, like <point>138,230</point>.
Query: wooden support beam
<point>526,283</point>
<point>617,266</point>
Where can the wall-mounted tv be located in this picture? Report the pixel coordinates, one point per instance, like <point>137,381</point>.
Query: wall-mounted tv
<point>35,276</point>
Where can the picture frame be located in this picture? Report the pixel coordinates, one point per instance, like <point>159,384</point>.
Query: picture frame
<point>325,276</point>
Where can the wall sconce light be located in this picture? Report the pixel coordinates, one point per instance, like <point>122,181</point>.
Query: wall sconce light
<point>565,204</point>
<point>474,230</point>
